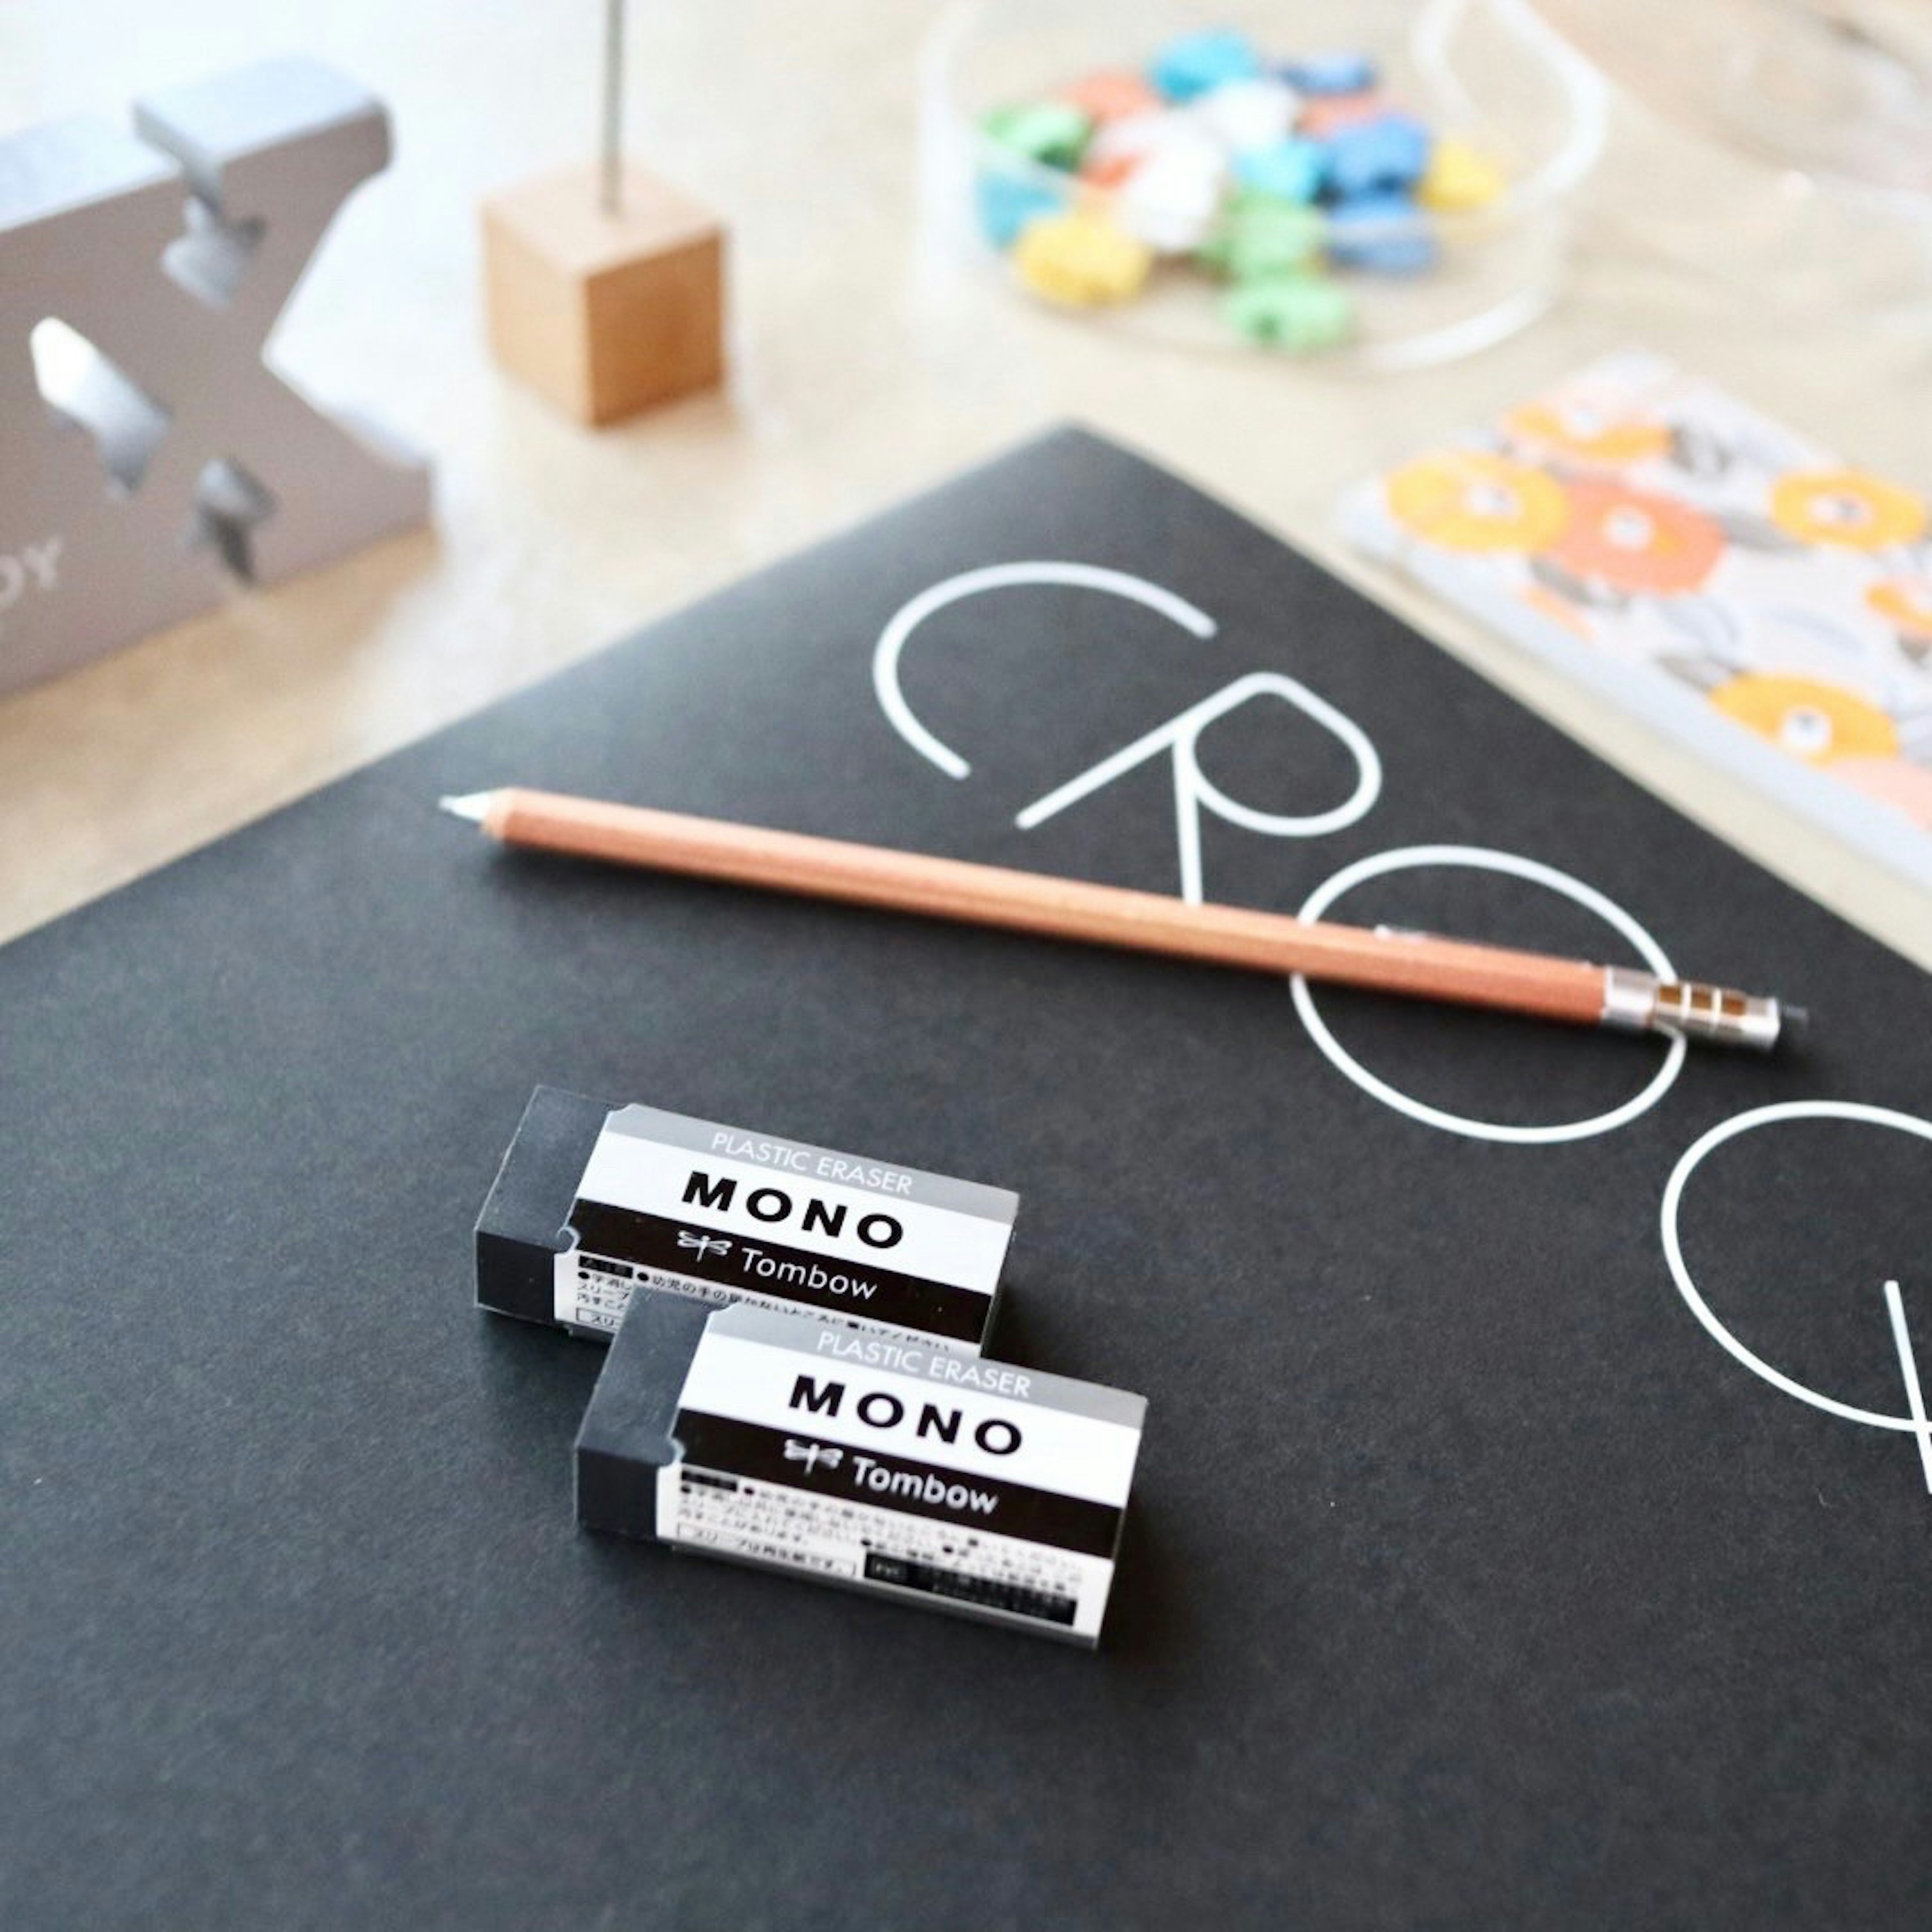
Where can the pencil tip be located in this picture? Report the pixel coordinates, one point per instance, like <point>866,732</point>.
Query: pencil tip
<point>473,805</point>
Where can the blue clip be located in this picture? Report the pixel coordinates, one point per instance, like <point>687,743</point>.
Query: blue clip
<point>1290,170</point>
<point>1007,203</point>
<point>1197,63</point>
<point>1330,74</point>
<point>1391,151</point>
<point>1384,233</point>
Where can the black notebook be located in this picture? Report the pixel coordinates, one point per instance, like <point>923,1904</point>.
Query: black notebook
<point>1531,1528</point>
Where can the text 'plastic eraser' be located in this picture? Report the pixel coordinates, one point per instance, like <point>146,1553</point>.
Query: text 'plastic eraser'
<point>931,1477</point>
<point>592,1202</point>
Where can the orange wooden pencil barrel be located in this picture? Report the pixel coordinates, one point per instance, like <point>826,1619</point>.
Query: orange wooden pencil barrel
<point>1421,966</point>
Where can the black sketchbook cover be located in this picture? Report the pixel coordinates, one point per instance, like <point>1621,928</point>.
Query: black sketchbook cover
<point>1482,1570</point>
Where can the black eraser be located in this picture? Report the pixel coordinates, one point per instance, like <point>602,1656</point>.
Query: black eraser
<point>918,1474</point>
<point>627,1433</point>
<point>594,1202</point>
<point>525,1223</point>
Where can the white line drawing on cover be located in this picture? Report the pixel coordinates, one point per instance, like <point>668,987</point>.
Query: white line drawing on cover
<point>1192,787</point>
<point>1178,737</point>
<point>1483,859</point>
<point>891,646</point>
<point>1192,790</point>
<point>1908,1367</point>
<point>1914,1421</point>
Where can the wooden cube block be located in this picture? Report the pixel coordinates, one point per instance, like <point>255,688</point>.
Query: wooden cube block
<point>605,314</point>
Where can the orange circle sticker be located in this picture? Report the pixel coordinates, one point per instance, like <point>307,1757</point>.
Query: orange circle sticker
<point>1633,541</point>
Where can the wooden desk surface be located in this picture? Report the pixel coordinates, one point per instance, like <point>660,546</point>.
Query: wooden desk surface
<point>862,370</point>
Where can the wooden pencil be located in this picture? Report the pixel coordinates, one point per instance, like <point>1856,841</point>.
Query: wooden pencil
<point>1420,966</point>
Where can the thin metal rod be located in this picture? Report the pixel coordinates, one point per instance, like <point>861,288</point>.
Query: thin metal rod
<point>613,195</point>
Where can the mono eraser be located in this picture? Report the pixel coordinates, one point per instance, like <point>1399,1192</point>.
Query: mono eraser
<point>916,1473</point>
<point>592,1202</point>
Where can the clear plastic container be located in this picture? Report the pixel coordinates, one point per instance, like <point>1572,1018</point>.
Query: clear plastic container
<point>1778,152</point>
<point>1490,73</point>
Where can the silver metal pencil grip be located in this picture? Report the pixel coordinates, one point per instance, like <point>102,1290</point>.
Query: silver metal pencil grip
<point>1641,1003</point>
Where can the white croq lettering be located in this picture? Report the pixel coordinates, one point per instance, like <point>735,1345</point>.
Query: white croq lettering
<point>1180,738</point>
<point>900,626</point>
<point>1781,1113</point>
<point>1177,738</point>
<point>1510,865</point>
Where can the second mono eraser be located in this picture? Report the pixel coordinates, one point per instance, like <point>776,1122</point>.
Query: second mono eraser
<point>921,1474</point>
<point>592,1202</point>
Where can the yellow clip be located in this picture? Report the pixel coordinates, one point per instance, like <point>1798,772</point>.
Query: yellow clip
<point>1459,180</point>
<point>1080,259</point>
